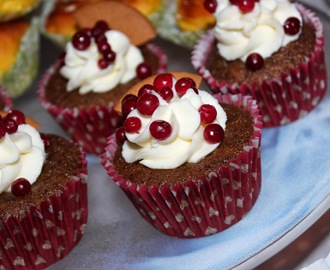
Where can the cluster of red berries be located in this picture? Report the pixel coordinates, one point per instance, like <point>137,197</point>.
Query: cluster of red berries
<point>81,40</point>
<point>9,124</point>
<point>146,103</point>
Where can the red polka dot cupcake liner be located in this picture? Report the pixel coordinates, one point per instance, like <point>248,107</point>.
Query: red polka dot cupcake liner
<point>41,236</point>
<point>208,205</point>
<point>6,100</point>
<point>89,127</point>
<point>281,100</point>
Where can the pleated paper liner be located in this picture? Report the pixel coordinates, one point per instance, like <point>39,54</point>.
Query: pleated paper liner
<point>5,100</point>
<point>90,127</point>
<point>208,205</point>
<point>43,235</point>
<point>281,100</point>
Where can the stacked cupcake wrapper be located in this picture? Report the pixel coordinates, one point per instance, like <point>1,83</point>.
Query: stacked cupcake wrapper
<point>41,236</point>
<point>89,127</point>
<point>281,100</point>
<point>203,207</point>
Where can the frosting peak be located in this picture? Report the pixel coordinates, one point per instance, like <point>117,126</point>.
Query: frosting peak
<point>22,155</point>
<point>261,31</point>
<point>84,71</point>
<point>174,133</point>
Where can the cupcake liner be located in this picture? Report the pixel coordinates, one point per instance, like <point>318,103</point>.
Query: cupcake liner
<point>208,205</point>
<point>8,103</point>
<point>41,236</point>
<point>284,99</point>
<point>89,127</point>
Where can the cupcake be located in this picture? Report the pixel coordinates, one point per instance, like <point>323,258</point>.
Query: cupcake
<point>43,211</point>
<point>102,61</point>
<point>19,52</point>
<point>271,50</point>
<point>188,161</point>
<point>5,101</point>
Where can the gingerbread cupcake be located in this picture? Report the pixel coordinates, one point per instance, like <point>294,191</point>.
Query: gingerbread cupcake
<point>5,101</point>
<point>43,211</point>
<point>187,160</point>
<point>101,62</point>
<point>271,50</point>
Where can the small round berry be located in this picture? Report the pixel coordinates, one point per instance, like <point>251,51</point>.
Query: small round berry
<point>208,113</point>
<point>16,115</point>
<point>132,124</point>
<point>213,133</point>
<point>11,126</point>
<point>160,130</point>
<point>291,26</point>
<point>120,135</point>
<point>246,6</point>
<point>162,80</point>
<point>2,129</point>
<point>234,2</point>
<point>254,62</point>
<point>128,104</point>
<point>210,5</point>
<point>103,46</point>
<point>99,29</point>
<point>87,30</point>
<point>45,139</point>
<point>103,64</point>
<point>166,93</point>
<point>109,56</point>
<point>147,104</point>
<point>143,71</point>
<point>147,88</point>
<point>183,84</point>
<point>81,41</point>
<point>20,187</point>
<point>101,38</point>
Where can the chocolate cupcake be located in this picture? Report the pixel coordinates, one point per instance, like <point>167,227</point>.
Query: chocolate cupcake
<point>80,91</point>
<point>275,53</point>
<point>43,212</point>
<point>5,101</point>
<point>189,164</point>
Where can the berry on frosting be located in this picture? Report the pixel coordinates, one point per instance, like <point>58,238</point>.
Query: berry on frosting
<point>245,6</point>
<point>146,88</point>
<point>166,93</point>
<point>254,62</point>
<point>120,135</point>
<point>162,80</point>
<point>160,130</point>
<point>210,5</point>
<point>291,26</point>
<point>20,187</point>
<point>128,104</point>
<point>81,40</point>
<point>213,133</point>
<point>208,113</point>
<point>16,115</point>
<point>147,104</point>
<point>2,129</point>
<point>183,84</point>
<point>132,124</point>
<point>11,125</point>
<point>99,29</point>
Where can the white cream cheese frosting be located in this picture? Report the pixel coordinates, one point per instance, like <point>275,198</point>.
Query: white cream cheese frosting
<point>186,142</point>
<point>22,155</point>
<point>260,31</point>
<point>82,70</point>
